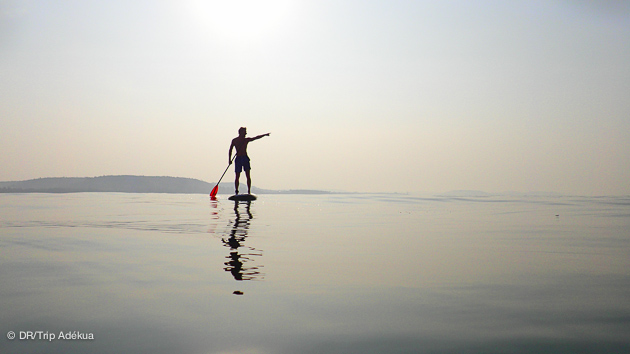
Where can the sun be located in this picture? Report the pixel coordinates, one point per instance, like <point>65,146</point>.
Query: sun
<point>241,19</point>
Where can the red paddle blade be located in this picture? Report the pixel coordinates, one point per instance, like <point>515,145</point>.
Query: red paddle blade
<point>214,191</point>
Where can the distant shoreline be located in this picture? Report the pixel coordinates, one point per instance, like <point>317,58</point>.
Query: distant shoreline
<point>130,184</point>
<point>183,185</point>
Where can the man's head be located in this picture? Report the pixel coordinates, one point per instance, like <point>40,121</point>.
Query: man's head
<point>242,131</point>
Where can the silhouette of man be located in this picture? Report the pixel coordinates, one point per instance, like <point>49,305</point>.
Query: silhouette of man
<point>242,160</point>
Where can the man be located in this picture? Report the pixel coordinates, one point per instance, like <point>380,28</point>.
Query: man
<point>242,160</point>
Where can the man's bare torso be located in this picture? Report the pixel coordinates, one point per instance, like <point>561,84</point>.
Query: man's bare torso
<point>240,143</point>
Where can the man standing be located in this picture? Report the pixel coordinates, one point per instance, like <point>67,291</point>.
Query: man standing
<point>242,160</point>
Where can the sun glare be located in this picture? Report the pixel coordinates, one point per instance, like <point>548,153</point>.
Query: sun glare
<point>241,19</point>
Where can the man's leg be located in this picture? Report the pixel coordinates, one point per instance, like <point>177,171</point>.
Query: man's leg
<point>249,182</point>
<point>238,175</point>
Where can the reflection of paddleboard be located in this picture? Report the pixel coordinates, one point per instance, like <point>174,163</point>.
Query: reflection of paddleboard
<point>243,197</point>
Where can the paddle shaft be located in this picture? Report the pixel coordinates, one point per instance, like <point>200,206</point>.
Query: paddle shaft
<point>225,172</point>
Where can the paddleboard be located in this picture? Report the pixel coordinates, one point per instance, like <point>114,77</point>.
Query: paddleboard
<point>242,197</point>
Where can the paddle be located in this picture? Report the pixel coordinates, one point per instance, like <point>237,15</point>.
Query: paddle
<point>214,191</point>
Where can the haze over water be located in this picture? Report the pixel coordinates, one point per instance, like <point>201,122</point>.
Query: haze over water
<point>360,96</point>
<point>347,273</point>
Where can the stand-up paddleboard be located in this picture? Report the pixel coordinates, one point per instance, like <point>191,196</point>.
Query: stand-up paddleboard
<point>242,197</point>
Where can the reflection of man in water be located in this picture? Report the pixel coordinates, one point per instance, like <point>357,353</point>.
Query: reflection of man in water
<point>242,160</point>
<point>238,263</point>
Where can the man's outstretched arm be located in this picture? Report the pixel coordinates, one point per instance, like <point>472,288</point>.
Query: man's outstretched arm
<point>260,136</point>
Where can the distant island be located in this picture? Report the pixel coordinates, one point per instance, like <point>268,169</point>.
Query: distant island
<point>130,184</point>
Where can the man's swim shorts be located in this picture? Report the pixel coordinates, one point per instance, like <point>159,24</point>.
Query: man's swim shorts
<point>241,163</point>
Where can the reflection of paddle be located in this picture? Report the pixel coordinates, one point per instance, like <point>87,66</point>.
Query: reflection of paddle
<point>216,188</point>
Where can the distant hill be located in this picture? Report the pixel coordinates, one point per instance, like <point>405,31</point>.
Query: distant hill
<point>476,194</point>
<point>465,193</point>
<point>128,184</point>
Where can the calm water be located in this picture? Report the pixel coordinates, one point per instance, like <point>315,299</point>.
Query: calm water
<point>159,273</point>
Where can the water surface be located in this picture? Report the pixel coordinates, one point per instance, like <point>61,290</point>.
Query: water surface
<point>160,273</point>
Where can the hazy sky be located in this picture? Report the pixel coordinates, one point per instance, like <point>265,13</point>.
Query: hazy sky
<point>385,95</point>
